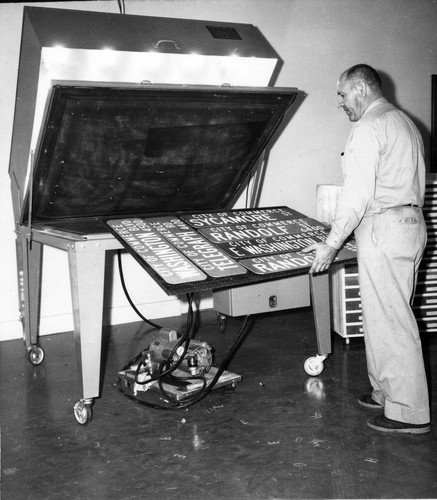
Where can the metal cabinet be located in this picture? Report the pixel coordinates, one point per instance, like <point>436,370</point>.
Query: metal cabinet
<point>425,300</point>
<point>346,316</point>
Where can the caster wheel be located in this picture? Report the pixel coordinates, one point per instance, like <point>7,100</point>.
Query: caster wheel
<point>83,412</point>
<point>231,388</point>
<point>36,355</point>
<point>314,365</point>
<point>223,321</point>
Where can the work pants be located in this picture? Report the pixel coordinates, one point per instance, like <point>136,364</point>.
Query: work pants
<point>390,246</point>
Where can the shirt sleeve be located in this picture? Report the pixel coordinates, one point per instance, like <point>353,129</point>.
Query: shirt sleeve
<point>360,169</point>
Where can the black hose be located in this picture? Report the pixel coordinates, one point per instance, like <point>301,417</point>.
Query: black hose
<point>123,284</point>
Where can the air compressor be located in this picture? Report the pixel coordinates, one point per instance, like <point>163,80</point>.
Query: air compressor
<point>179,368</point>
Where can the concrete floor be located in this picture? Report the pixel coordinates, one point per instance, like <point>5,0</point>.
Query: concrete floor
<point>279,435</point>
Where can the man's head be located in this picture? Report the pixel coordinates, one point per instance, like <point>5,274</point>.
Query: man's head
<point>357,88</point>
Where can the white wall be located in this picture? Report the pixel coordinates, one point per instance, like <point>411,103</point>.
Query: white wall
<point>317,40</point>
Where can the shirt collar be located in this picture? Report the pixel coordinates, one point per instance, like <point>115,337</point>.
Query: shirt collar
<point>378,102</point>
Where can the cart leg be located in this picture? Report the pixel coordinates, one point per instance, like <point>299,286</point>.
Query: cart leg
<point>29,268</point>
<point>319,286</point>
<point>87,269</point>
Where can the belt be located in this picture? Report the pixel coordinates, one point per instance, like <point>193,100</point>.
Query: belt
<point>400,206</point>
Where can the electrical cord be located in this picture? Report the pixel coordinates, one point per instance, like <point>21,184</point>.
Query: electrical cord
<point>121,6</point>
<point>123,284</point>
<point>171,369</point>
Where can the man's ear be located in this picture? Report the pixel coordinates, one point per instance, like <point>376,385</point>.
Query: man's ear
<point>361,88</point>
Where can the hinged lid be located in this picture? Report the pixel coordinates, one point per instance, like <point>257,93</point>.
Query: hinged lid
<point>107,151</point>
<point>84,46</point>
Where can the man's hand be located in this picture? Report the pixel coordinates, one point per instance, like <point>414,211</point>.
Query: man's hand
<point>325,254</point>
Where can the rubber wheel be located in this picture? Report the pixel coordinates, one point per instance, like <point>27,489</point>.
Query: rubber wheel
<point>313,366</point>
<point>83,413</point>
<point>36,355</point>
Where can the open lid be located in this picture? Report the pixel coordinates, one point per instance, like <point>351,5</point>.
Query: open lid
<point>113,151</point>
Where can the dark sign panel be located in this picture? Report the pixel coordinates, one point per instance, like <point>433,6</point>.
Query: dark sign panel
<point>230,218</point>
<point>272,245</point>
<point>283,262</point>
<point>260,230</point>
<point>278,263</point>
<point>161,256</point>
<point>287,261</point>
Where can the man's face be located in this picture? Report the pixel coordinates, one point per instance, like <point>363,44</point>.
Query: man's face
<point>350,99</point>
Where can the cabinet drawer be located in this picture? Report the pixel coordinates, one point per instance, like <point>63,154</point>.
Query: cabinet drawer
<point>354,330</point>
<point>350,280</point>
<point>352,293</point>
<point>354,317</point>
<point>353,305</point>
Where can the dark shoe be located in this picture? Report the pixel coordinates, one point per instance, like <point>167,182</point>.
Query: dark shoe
<point>367,401</point>
<point>384,424</point>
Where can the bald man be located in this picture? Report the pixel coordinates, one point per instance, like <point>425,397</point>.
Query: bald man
<point>381,200</point>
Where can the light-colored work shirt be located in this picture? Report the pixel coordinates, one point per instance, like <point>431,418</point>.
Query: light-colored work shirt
<point>383,167</point>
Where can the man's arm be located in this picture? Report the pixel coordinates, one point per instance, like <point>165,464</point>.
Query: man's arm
<point>360,165</point>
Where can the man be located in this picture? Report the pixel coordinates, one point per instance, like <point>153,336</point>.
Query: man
<point>384,178</point>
